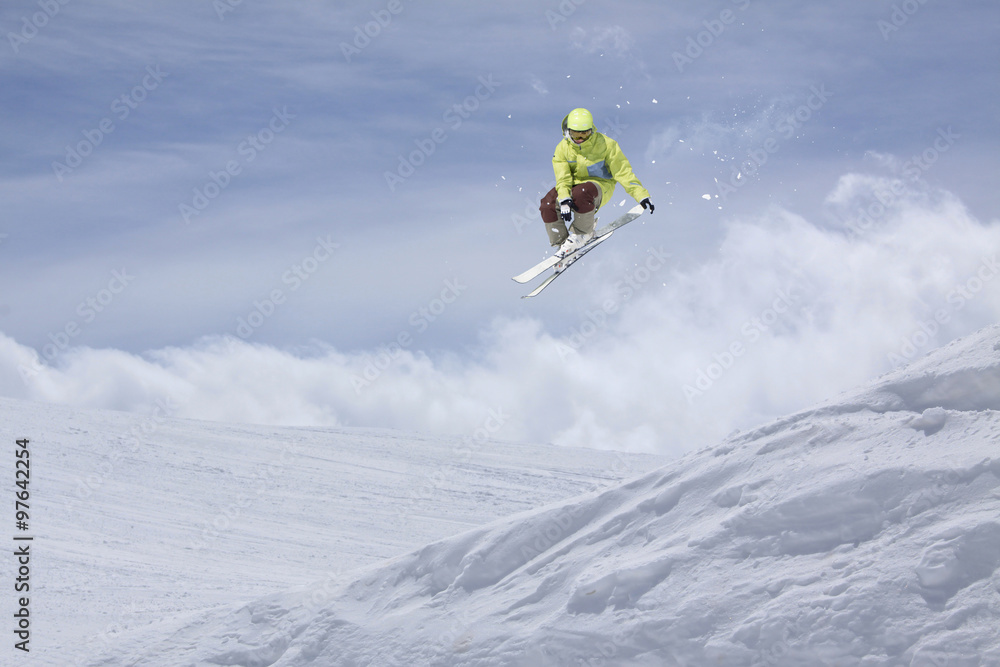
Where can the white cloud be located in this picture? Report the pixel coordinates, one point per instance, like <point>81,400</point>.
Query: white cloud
<point>785,314</point>
<point>614,40</point>
<point>538,85</point>
<point>726,137</point>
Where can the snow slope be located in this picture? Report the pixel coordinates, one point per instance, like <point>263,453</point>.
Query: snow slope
<point>865,531</point>
<point>140,518</point>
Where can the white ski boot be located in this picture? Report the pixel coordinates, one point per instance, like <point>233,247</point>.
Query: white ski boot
<point>572,243</point>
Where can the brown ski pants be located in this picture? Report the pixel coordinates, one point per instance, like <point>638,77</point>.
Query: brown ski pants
<point>586,200</point>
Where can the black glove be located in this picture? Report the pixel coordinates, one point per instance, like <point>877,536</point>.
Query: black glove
<point>645,203</point>
<point>566,209</point>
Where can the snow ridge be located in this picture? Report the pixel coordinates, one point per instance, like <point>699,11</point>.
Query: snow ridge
<point>864,532</point>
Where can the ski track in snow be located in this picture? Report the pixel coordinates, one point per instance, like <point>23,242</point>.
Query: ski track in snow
<point>863,532</point>
<point>137,519</point>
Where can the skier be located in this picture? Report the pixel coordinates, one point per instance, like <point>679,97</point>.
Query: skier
<point>587,166</point>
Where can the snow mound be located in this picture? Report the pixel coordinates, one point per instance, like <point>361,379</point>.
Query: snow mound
<point>863,532</point>
<point>146,517</point>
<point>963,375</point>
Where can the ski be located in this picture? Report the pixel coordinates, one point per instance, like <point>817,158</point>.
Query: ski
<point>537,269</point>
<point>552,260</point>
<point>569,262</point>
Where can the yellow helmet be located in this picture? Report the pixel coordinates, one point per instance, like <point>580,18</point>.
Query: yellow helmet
<point>579,120</point>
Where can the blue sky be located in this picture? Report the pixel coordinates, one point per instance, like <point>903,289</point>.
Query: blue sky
<point>172,172</point>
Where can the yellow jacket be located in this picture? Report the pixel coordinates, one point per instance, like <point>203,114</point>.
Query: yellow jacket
<point>598,159</point>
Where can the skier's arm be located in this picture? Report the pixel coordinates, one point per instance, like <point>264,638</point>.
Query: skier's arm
<point>564,174</point>
<point>621,169</point>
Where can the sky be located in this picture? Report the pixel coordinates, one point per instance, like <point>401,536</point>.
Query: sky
<point>309,212</point>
